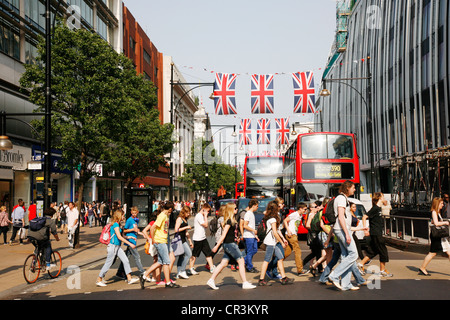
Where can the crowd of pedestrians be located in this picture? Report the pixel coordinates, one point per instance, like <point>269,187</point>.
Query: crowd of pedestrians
<point>334,247</point>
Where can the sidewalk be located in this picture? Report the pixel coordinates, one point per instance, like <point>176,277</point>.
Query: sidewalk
<point>90,251</point>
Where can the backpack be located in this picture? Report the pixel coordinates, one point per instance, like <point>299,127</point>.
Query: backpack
<point>37,223</point>
<point>63,212</point>
<point>213,225</point>
<point>261,231</point>
<point>105,236</point>
<point>315,222</point>
<point>328,212</point>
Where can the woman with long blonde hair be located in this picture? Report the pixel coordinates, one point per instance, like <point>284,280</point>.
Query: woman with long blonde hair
<point>114,249</point>
<point>230,248</point>
<point>437,244</point>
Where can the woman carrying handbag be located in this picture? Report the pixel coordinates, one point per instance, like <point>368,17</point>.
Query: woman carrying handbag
<point>438,244</point>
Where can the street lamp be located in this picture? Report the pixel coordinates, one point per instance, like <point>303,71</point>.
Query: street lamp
<point>325,93</point>
<point>172,111</point>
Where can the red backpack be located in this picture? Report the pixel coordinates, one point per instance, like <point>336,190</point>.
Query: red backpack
<point>105,236</point>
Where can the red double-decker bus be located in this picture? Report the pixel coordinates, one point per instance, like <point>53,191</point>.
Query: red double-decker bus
<point>263,176</point>
<point>316,164</point>
<point>239,190</point>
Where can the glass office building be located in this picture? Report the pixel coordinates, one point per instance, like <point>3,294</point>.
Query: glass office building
<point>407,96</point>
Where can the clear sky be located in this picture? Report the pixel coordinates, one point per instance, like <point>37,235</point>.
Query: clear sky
<point>244,37</point>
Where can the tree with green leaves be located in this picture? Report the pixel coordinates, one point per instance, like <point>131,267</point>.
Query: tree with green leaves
<point>204,159</point>
<point>102,111</point>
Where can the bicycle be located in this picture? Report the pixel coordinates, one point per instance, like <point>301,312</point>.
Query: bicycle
<point>35,264</point>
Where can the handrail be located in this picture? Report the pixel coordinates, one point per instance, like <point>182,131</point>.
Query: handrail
<point>415,230</point>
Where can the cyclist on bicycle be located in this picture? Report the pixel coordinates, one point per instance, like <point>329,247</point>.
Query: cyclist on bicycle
<point>42,236</point>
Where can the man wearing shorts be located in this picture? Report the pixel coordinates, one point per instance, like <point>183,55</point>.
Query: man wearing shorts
<point>200,242</point>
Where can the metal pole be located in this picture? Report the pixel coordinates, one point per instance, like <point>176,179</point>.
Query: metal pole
<point>171,121</point>
<point>370,128</point>
<point>48,107</point>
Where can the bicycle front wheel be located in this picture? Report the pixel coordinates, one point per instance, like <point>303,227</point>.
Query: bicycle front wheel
<point>31,268</point>
<point>56,260</point>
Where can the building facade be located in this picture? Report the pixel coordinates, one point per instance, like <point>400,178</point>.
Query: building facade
<point>21,22</point>
<point>403,46</point>
<point>180,105</point>
<point>148,61</point>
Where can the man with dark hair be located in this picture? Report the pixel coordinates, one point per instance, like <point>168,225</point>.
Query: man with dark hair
<point>341,275</point>
<point>250,237</point>
<point>291,224</point>
<point>43,235</point>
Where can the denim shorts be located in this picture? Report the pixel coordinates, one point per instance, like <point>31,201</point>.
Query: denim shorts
<point>163,253</point>
<point>271,251</point>
<point>231,250</point>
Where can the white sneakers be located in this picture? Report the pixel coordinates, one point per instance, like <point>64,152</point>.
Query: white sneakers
<point>182,275</point>
<point>246,285</point>
<point>212,285</point>
<point>102,283</point>
<point>133,280</point>
<point>192,271</point>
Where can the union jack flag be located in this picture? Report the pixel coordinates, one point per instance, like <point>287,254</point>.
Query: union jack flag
<point>263,131</point>
<point>282,126</point>
<point>304,92</point>
<point>224,94</point>
<point>262,97</point>
<point>245,132</point>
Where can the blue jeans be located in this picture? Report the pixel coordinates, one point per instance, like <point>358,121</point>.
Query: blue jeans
<point>184,258</point>
<point>231,250</point>
<point>334,260</point>
<point>273,252</point>
<point>113,251</point>
<point>349,255</point>
<point>251,246</point>
<point>163,253</point>
<point>137,258</point>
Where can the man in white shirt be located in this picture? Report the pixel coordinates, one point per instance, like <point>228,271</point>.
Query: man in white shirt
<point>349,252</point>
<point>291,223</point>
<point>72,222</point>
<point>18,220</point>
<point>250,237</point>
<point>200,242</point>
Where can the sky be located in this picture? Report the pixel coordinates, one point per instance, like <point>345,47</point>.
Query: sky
<point>244,37</point>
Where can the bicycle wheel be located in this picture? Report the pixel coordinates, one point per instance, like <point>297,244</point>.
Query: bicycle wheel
<point>31,268</point>
<point>57,261</point>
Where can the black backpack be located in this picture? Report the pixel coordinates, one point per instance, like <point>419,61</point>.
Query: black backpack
<point>213,225</point>
<point>37,223</point>
<point>328,212</point>
<point>261,231</point>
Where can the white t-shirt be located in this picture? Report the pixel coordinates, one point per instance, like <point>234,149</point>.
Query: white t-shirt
<point>270,239</point>
<point>72,215</point>
<point>199,230</point>
<point>341,201</point>
<point>250,217</point>
<point>294,222</point>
